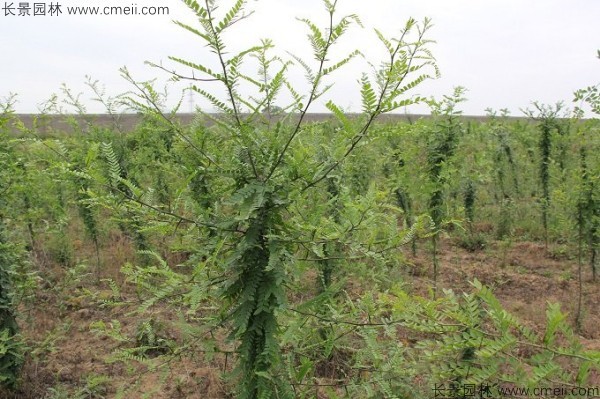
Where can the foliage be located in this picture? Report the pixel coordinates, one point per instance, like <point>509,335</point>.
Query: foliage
<point>288,237</point>
<point>587,204</point>
<point>11,347</point>
<point>473,341</point>
<point>547,116</point>
<point>590,95</point>
<point>441,147</point>
<point>264,157</point>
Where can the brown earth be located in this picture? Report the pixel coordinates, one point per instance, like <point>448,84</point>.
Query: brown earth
<point>71,360</point>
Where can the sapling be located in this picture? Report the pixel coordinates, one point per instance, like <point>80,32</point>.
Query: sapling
<point>396,169</point>
<point>405,203</point>
<point>88,216</point>
<point>589,199</point>
<point>588,211</point>
<point>11,356</point>
<point>586,220</point>
<point>547,118</point>
<point>473,241</point>
<point>330,249</point>
<point>441,147</point>
<point>26,196</point>
<point>503,154</point>
<point>582,211</point>
<point>264,179</point>
<point>469,197</point>
<point>11,350</point>
<point>120,183</point>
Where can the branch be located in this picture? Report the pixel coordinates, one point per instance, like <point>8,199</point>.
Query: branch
<point>363,131</point>
<point>175,128</point>
<point>183,77</point>
<point>311,97</point>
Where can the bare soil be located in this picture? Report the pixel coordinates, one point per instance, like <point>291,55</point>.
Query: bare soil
<point>67,359</point>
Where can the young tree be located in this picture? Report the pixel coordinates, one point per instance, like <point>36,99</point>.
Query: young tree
<point>11,351</point>
<point>441,147</point>
<point>266,171</point>
<point>588,204</point>
<point>547,117</point>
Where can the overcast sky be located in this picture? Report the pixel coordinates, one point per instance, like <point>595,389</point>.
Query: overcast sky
<point>507,53</point>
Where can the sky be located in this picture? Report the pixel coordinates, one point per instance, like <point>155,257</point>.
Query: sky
<point>506,53</point>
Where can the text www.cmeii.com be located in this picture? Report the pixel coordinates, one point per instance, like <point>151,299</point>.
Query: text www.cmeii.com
<point>26,9</point>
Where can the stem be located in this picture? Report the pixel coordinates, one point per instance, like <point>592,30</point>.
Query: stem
<point>434,242</point>
<point>219,52</point>
<point>371,118</point>
<point>311,97</point>
<point>578,319</point>
<point>97,246</point>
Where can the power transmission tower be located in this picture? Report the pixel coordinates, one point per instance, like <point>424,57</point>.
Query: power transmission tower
<point>191,99</point>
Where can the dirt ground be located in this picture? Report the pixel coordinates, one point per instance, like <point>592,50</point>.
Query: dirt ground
<point>71,361</point>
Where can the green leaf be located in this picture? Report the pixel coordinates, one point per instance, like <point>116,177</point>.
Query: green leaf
<point>231,15</point>
<point>198,67</point>
<point>369,98</point>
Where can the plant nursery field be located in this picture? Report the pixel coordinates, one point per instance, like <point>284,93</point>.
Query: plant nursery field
<point>255,250</point>
<point>123,248</point>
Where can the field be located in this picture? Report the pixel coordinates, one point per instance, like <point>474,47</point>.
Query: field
<point>119,283</point>
<point>260,251</point>
<point>72,363</point>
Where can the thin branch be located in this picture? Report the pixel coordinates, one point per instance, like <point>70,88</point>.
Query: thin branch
<point>182,77</point>
<point>175,128</point>
<point>363,131</point>
<point>219,52</point>
<point>311,97</point>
